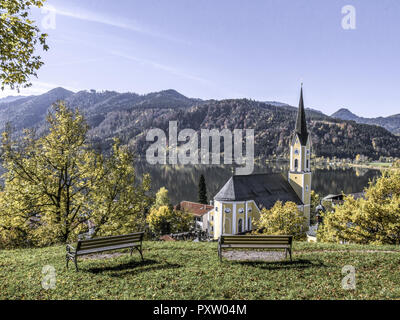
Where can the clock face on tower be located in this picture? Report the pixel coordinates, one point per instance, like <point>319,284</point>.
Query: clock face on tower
<point>296,151</point>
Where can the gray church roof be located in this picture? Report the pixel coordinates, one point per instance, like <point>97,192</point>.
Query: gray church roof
<point>265,189</point>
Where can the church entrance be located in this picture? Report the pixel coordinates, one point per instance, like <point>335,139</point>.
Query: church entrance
<point>240,225</point>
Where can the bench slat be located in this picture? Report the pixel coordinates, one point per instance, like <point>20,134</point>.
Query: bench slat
<point>99,240</point>
<point>108,241</point>
<point>108,248</point>
<point>254,237</point>
<point>257,242</point>
<point>116,237</point>
<point>105,242</point>
<point>257,239</point>
<point>272,246</point>
<point>110,245</point>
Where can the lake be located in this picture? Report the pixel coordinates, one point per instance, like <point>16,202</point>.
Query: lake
<point>182,180</point>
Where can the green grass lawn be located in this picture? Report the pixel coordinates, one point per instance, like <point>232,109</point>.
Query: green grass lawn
<point>187,270</point>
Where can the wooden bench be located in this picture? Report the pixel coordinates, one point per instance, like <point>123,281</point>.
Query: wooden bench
<point>85,247</point>
<point>255,242</point>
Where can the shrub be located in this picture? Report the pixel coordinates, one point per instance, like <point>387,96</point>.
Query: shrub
<point>282,219</point>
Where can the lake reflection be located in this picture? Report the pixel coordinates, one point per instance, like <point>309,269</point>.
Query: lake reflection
<point>182,181</point>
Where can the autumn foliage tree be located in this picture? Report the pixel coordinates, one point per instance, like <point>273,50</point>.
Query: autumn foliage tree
<point>119,202</point>
<point>282,219</point>
<point>162,199</point>
<point>315,201</point>
<point>56,185</point>
<point>373,220</point>
<point>19,38</point>
<point>163,219</point>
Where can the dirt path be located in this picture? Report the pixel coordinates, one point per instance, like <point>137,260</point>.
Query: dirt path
<point>254,255</point>
<point>280,255</point>
<point>343,251</point>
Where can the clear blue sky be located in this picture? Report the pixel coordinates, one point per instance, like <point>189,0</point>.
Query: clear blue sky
<point>258,49</point>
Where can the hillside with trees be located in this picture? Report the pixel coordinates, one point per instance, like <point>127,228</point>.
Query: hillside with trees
<point>129,116</point>
<point>390,123</point>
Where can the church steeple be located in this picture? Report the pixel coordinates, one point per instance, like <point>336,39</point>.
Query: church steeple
<point>301,124</point>
<point>300,159</point>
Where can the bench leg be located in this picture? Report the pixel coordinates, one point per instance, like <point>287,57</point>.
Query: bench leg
<point>76,264</point>
<point>140,251</point>
<point>290,252</point>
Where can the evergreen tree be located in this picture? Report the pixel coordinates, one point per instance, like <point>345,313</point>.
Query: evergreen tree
<point>202,190</point>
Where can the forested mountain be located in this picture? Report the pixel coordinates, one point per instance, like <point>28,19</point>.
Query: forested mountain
<point>11,98</point>
<point>129,116</point>
<point>391,123</point>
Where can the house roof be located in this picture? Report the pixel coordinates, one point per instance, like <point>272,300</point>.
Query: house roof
<point>339,197</point>
<point>197,209</point>
<point>264,189</point>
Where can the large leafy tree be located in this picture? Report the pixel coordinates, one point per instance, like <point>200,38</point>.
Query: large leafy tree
<point>56,185</point>
<point>19,37</point>
<point>282,219</point>
<point>120,202</point>
<point>374,219</point>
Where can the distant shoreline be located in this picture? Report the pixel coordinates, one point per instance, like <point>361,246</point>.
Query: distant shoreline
<point>374,167</point>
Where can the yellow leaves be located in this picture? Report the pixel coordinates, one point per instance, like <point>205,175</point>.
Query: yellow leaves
<point>117,201</point>
<point>163,220</point>
<point>375,219</point>
<point>162,198</point>
<point>19,39</point>
<point>282,219</point>
<point>62,181</point>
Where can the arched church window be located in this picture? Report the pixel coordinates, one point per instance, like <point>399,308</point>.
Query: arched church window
<point>240,225</point>
<point>249,223</point>
<point>296,164</point>
<point>308,164</point>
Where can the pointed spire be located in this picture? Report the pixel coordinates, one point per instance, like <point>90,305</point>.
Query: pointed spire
<point>301,124</point>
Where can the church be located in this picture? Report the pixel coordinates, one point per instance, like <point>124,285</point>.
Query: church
<point>240,201</point>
